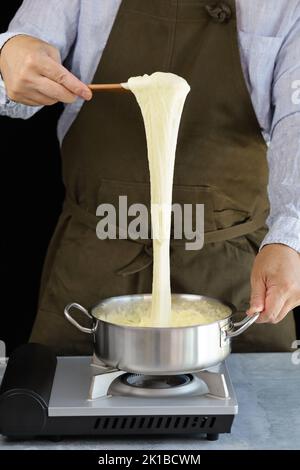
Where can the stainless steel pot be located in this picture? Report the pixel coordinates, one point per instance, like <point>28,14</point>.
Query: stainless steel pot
<point>159,351</point>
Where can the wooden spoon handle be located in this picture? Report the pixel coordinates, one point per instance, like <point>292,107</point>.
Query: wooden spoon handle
<point>107,87</point>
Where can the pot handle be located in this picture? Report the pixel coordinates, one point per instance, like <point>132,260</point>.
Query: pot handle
<point>242,326</point>
<point>74,322</point>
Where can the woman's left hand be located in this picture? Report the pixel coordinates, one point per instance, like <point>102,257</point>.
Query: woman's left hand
<point>275,283</point>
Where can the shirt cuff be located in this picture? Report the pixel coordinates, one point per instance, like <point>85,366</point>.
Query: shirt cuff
<point>4,100</point>
<point>283,230</point>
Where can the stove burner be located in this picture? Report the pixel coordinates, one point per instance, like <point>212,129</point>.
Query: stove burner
<point>156,382</point>
<point>152,386</point>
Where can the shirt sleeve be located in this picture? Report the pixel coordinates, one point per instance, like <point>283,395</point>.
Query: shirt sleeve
<point>284,149</point>
<point>52,21</point>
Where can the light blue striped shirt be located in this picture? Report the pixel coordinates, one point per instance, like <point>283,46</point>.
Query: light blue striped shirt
<point>269,40</point>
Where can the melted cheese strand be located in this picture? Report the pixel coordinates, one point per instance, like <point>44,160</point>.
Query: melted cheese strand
<point>161,97</point>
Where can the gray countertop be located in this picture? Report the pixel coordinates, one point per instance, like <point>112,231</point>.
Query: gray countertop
<point>268,392</point>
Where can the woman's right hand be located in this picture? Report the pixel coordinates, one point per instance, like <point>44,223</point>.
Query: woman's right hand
<point>34,76</point>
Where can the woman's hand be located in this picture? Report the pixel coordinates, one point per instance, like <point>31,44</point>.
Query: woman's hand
<point>275,283</point>
<point>33,74</point>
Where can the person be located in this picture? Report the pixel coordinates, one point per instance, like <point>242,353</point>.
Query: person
<point>238,150</point>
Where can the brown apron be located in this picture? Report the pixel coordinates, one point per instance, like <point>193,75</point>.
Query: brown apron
<point>220,162</point>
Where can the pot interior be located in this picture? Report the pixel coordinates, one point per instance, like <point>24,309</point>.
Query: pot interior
<point>187,310</point>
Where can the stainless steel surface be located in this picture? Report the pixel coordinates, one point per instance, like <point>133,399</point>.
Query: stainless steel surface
<point>72,383</point>
<point>159,351</point>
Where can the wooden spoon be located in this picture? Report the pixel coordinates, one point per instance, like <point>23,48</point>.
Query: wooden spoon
<point>109,87</point>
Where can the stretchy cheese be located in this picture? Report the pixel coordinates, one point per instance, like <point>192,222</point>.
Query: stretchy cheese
<point>161,97</point>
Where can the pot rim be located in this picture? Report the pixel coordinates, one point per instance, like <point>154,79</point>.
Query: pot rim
<point>220,322</point>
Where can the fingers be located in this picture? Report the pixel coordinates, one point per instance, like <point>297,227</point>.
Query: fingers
<point>56,72</point>
<point>258,293</point>
<point>29,65</point>
<point>277,267</point>
<point>274,305</point>
<point>36,99</point>
<point>283,312</point>
<point>54,53</point>
<point>54,91</point>
<point>287,308</point>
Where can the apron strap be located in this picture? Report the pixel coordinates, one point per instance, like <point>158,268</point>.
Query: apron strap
<point>236,230</point>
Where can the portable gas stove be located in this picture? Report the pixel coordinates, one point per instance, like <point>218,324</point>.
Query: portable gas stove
<point>41,395</point>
